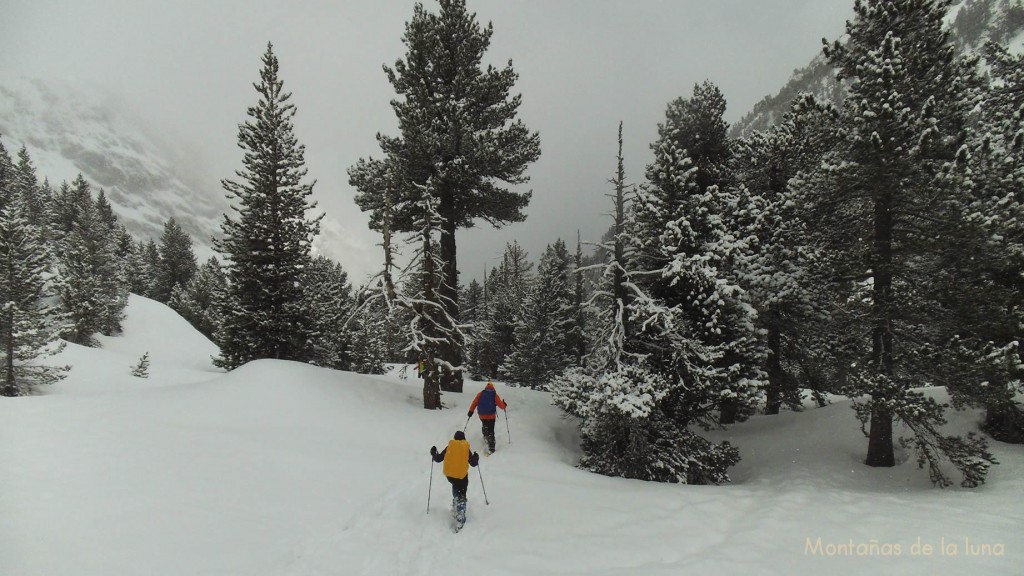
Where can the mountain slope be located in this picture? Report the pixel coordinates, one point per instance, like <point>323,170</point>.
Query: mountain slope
<point>282,469</point>
<point>972,22</point>
<point>70,129</point>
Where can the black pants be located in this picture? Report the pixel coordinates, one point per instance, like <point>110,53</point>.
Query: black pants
<point>459,487</point>
<point>488,429</point>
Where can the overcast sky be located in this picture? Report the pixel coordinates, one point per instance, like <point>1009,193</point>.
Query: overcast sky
<point>187,67</point>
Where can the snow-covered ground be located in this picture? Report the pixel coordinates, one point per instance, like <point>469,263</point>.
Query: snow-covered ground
<point>280,468</point>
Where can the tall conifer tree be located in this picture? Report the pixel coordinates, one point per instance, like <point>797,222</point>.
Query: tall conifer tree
<point>883,208</point>
<point>266,245</point>
<point>459,132</point>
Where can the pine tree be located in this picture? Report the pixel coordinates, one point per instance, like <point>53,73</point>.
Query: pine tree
<point>681,249</point>
<point>35,197</point>
<point>91,291</point>
<point>370,330</point>
<point>696,127</point>
<point>8,176</point>
<point>507,290</point>
<point>576,338</point>
<point>768,247</point>
<point>105,211</point>
<point>474,311</point>
<point>676,341</point>
<point>984,364</point>
<point>141,369</point>
<point>329,296</point>
<point>28,326</point>
<point>266,246</point>
<point>881,207</point>
<point>177,261</point>
<point>541,348</point>
<point>150,255</point>
<point>459,132</point>
<point>198,300</point>
<point>415,293</point>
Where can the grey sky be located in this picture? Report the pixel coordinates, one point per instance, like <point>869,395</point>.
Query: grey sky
<point>187,67</point>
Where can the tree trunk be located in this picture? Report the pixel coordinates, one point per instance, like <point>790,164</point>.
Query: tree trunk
<point>773,400</point>
<point>431,390</point>
<point>880,450</point>
<point>451,380</point>
<point>880,446</point>
<point>727,411</point>
<point>10,387</point>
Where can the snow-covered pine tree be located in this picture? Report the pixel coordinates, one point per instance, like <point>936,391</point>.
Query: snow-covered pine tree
<point>141,369</point>
<point>371,332</point>
<point>150,255</point>
<point>135,270</point>
<point>178,262</point>
<point>92,292</point>
<point>507,289</point>
<point>266,246</point>
<point>28,325</point>
<point>632,397</point>
<point>473,311</point>
<point>329,297</point>
<point>576,337</point>
<point>768,250</point>
<point>35,197</point>
<point>415,291</point>
<point>681,253</point>
<point>696,126</point>
<point>105,211</point>
<point>985,289</point>
<point>7,176</point>
<point>197,301</point>
<point>882,210</point>
<point>459,130</point>
<point>541,348</point>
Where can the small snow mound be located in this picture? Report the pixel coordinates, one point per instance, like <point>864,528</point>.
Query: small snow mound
<point>178,354</point>
<point>150,326</point>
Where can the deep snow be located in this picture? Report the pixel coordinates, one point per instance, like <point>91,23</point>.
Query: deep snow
<point>280,468</point>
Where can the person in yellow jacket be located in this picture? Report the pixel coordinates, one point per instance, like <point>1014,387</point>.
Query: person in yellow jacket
<point>457,458</point>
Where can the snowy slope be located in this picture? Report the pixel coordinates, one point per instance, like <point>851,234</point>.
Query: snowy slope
<point>283,469</point>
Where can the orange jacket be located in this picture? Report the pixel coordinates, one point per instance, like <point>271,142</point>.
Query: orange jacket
<point>497,401</point>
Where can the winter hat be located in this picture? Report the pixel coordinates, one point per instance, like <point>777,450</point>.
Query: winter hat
<point>460,435</point>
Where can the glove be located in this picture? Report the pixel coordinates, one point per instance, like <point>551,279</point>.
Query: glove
<point>469,414</point>
<point>474,459</point>
<point>506,405</point>
<point>433,450</point>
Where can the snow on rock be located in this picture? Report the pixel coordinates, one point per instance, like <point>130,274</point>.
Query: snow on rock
<point>284,469</point>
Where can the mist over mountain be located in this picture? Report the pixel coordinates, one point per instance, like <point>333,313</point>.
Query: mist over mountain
<point>71,129</point>
<point>972,23</point>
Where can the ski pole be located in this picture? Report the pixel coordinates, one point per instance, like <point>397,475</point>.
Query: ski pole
<point>482,484</point>
<point>506,427</point>
<point>468,418</point>
<point>430,486</point>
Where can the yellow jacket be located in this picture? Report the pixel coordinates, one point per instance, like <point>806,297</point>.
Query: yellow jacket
<point>456,459</point>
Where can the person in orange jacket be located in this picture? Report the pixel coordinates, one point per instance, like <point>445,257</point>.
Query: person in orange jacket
<point>487,402</point>
<point>457,458</point>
